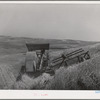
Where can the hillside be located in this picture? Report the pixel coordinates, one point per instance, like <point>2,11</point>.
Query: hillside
<point>13,45</point>
<point>13,49</point>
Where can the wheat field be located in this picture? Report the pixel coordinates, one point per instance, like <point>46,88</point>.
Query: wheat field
<point>78,76</point>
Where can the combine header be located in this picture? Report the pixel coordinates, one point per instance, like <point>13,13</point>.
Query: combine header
<point>37,58</point>
<point>76,56</point>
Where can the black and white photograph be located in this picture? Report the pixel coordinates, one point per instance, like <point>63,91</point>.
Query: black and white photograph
<point>49,46</point>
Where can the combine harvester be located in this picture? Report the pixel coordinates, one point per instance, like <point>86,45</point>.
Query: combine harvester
<point>37,58</point>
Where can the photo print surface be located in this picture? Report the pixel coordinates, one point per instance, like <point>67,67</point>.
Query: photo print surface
<point>49,46</point>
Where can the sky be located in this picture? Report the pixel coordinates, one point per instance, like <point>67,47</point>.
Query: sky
<point>51,21</point>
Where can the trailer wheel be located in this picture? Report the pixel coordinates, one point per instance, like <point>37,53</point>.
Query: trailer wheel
<point>80,59</point>
<point>87,56</point>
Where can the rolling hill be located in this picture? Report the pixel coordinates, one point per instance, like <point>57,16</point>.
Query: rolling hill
<point>13,49</point>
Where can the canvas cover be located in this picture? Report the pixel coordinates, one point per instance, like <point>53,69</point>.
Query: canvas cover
<point>31,61</point>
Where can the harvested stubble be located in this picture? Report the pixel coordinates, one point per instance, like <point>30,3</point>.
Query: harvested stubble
<point>14,62</point>
<point>7,78</point>
<point>9,70</point>
<point>83,76</point>
<point>32,83</point>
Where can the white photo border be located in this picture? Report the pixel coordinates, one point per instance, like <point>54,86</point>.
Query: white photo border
<point>49,94</point>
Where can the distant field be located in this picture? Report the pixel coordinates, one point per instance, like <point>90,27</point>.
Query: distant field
<point>13,45</point>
